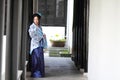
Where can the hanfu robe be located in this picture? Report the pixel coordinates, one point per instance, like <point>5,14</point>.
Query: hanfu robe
<point>38,43</point>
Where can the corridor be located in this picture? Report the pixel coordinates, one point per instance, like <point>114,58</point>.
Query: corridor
<point>69,16</point>
<point>91,30</point>
<point>59,68</point>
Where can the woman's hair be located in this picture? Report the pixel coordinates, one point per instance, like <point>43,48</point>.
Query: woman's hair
<point>37,15</point>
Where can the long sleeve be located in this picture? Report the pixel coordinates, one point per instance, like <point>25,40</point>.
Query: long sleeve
<point>34,34</point>
<point>37,39</point>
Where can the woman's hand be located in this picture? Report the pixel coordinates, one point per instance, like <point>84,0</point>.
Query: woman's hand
<point>44,35</point>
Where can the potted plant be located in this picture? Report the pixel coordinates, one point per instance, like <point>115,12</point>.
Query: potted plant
<point>58,41</point>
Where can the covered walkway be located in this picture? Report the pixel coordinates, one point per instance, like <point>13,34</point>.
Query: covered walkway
<point>15,19</point>
<point>95,30</point>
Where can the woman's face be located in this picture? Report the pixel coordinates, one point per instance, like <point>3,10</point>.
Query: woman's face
<point>36,20</point>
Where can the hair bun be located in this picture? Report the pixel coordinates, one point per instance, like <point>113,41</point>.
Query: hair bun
<point>37,15</point>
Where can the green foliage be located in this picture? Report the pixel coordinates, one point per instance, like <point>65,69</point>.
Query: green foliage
<point>57,38</point>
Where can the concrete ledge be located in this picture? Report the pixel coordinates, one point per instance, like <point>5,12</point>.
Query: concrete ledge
<point>19,74</point>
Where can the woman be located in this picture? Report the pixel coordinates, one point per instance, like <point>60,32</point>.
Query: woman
<point>38,43</point>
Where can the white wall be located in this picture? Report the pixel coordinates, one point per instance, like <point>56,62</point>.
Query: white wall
<point>104,40</point>
<point>69,22</point>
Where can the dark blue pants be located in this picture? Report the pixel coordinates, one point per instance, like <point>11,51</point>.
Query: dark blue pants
<point>38,67</point>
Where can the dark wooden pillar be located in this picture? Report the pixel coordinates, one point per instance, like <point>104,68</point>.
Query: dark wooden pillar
<point>24,39</point>
<point>80,38</point>
<point>35,6</point>
<point>2,24</point>
<point>25,48</point>
<point>13,37</point>
<point>30,20</point>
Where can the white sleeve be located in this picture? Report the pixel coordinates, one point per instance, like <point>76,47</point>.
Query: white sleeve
<point>34,35</point>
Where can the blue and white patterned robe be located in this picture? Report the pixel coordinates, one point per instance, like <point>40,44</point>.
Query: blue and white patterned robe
<point>38,42</point>
<point>37,39</point>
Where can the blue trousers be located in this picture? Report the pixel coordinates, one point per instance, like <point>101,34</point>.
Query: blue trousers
<point>37,63</point>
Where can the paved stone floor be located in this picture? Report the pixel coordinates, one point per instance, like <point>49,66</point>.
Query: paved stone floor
<point>59,68</point>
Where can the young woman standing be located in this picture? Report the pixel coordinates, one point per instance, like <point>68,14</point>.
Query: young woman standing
<point>38,43</point>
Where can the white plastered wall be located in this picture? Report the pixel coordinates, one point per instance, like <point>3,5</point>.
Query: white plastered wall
<point>104,40</point>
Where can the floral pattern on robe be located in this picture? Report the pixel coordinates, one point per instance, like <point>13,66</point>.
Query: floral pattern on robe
<point>37,38</point>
